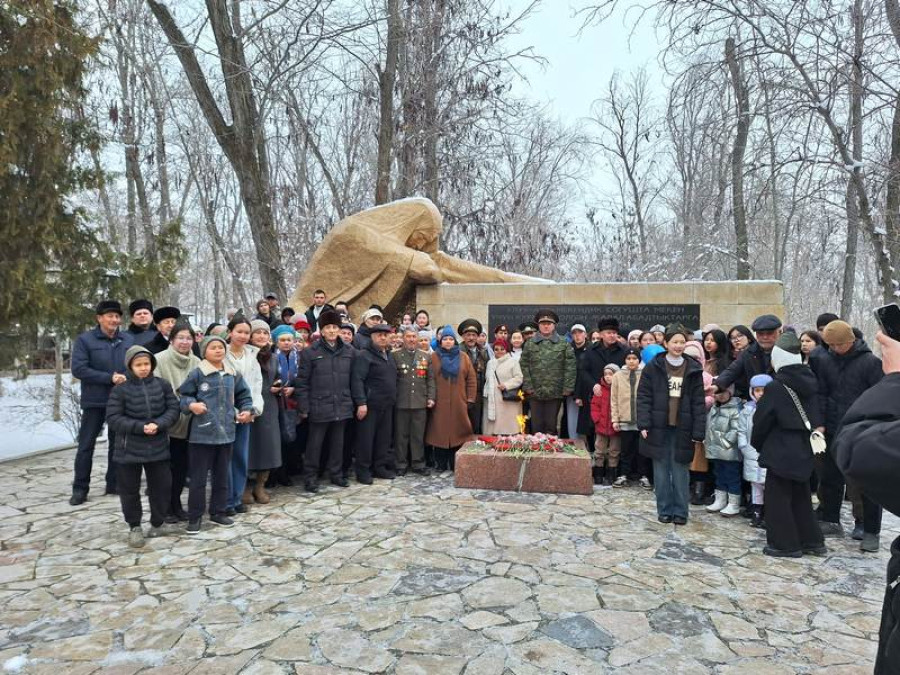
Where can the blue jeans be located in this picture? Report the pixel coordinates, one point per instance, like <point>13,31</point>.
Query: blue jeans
<point>671,480</point>
<point>240,456</point>
<point>728,476</point>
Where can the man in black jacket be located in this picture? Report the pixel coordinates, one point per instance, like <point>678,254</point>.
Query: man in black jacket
<point>98,361</point>
<point>755,360</point>
<point>595,359</point>
<point>867,450</point>
<point>374,388</point>
<point>322,388</point>
<point>141,328</point>
<point>844,372</point>
<point>319,305</point>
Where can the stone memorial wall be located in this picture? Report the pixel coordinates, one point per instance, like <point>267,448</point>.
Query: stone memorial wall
<point>636,305</point>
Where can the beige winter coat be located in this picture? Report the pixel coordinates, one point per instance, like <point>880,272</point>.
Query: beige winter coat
<point>623,397</point>
<point>500,417</point>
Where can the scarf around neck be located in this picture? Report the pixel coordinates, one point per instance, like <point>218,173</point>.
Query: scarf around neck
<point>449,362</point>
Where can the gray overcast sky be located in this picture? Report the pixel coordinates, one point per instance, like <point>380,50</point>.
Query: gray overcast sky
<point>579,66</point>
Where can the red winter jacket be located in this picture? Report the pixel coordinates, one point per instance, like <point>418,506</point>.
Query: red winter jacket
<point>600,411</point>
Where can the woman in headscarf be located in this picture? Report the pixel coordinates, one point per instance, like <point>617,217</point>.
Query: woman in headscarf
<point>449,426</point>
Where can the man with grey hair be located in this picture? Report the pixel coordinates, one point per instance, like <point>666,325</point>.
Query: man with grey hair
<point>415,395</point>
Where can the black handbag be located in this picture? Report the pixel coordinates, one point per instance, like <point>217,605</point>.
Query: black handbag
<point>508,394</point>
<point>287,421</point>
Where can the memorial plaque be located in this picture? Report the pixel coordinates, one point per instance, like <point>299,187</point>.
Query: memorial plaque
<point>630,317</point>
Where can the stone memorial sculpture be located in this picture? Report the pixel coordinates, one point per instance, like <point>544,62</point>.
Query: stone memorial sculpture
<point>379,255</point>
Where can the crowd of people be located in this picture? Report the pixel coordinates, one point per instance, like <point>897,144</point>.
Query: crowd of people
<point>750,421</point>
<point>705,417</point>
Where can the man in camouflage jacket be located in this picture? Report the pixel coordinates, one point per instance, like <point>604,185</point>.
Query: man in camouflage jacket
<point>549,368</point>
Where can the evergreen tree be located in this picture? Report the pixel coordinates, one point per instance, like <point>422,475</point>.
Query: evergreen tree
<point>43,57</point>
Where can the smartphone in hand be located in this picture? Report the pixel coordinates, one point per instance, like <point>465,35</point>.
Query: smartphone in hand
<point>888,318</point>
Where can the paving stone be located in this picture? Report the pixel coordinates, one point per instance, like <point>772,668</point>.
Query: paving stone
<point>416,576</point>
<point>496,592</point>
<point>578,632</point>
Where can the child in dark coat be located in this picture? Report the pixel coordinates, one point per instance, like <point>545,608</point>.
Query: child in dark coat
<point>213,392</point>
<point>140,412</point>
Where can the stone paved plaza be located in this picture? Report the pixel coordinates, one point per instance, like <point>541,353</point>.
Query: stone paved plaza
<point>417,577</point>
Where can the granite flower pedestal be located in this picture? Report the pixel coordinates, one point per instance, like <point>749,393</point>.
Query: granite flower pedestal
<point>482,468</point>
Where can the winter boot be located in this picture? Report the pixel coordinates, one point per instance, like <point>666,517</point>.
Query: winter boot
<point>733,508</point>
<point>757,519</point>
<point>720,503</point>
<point>597,473</point>
<point>247,497</point>
<point>610,478</point>
<point>259,488</point>
<point>698,493</point>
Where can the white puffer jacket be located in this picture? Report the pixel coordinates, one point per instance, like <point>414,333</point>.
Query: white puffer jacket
<point>753,472</point>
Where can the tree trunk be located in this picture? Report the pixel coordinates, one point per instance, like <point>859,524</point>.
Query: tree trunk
<point>386,81</point>
<point>856,138</point>
<point>57,378</point>
<point>742,104</point>
<point>243,141</point>
<point>892,199</point>
<point>430,92</point>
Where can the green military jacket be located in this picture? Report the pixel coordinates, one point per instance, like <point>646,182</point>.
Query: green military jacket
<point>415,379</point>
<point>549,367</point>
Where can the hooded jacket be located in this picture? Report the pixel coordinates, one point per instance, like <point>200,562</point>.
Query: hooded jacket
<point>223,391</point>
<point>722,424</point>
<point>601,412</point>
<point>842,379</point>
<point>95,357</point>
<point>752,471</point>
<point>653,409</point>
<point>135,403</point>
<point>779,434</point>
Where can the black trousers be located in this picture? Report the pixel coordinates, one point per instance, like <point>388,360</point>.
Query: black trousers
<point>159,485</point>
<point>445,458</point>
<point>373,441</point>
<point>179,462</point>
<point>204,458</point>
<point>92,421</point>
<point>544,416</point>
<point>409,435</point>
<point>831,486</point>
<point>475,413</point>
<point>791,524</point>
<point>629,458</point>
<point>331,455</point>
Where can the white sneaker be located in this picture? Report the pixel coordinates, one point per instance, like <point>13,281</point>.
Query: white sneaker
<point>621,481</point>
<point>645,483</point>
<point>733,508</point>
<point>136,537</point>
<point>720,503</point>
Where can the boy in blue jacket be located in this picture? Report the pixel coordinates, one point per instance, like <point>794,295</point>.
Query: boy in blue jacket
<point>212,392</point>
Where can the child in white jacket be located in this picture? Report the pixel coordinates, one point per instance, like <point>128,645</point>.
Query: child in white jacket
<point>753,472</point>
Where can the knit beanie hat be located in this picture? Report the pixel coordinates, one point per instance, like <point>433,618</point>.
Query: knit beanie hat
<point>760,380</point>
<point>838,333</point>
<point>635,334</point>
<point>674,329</point>
<point>500,342</point>
<point>786,352</point>
<point>612,367</point>
<point>208,340</point>
<point>259,324</point>
<point>632,352</point>
<point>136,351</point>
<point>282,330</point>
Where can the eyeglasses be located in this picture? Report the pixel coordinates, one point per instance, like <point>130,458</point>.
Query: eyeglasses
<point>738,338</point>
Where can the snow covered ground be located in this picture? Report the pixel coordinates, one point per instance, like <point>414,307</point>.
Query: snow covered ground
<point>26,412</point>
